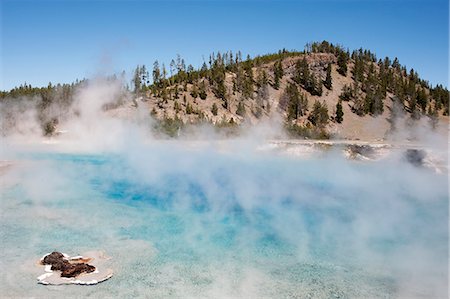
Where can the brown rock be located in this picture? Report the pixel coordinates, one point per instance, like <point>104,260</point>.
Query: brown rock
<point>60,265</point>
<point>54,257</point>
<point>68,269</point>
<point>77,269</point>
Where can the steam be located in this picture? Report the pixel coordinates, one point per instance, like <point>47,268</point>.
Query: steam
<point>91,128</point>
<point>18,117</point>
<point>215,218</point>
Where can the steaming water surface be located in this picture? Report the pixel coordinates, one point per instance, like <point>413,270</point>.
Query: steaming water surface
<point>183,222</point>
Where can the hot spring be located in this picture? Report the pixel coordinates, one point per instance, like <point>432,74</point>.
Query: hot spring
<point>210,221</point>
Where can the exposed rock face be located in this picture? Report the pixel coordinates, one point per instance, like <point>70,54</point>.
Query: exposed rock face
<point>68,269</point>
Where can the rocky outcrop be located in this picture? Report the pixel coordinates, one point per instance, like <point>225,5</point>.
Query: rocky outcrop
<point>63,269</point>
<point>54,259</point>
<point>59,262</point>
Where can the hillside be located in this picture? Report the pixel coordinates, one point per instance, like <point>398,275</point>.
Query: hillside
<point>322,92</point>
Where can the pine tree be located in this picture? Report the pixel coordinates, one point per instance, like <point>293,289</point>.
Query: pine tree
<point>318,89</point>
<point>294,102</point>
<point>176,107</point>
<point>164,75</point>
<point>294,110</point>
<point>172,67</point>
<point>176,94</point>
<point>190,74</point>
<point>278,74</point>
<point>319,115</point>
<point>137,79</point>
<point>214,109</point>
<point>347,93</point>
<point>327,83</point>
<point>144,77</point>
<point>240,109</point>
<point>203,70</point>
<point>247,90</point>
<point>433,117</point>
<point>302,75</point>
<point>156,73</point>
<point>378,105</point>
<point>261,79</point>
<point>189,109</point>
<point>202,91</point>
<point>421,98</point>
<point>342,63</point>
<point>194,91</point>
<point>339,113</point>
<point>359,69</point>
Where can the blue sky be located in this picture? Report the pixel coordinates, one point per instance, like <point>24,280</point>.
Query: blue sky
<point>60,41</point>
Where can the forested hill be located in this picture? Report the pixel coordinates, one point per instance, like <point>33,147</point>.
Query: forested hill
<point>320,92</point>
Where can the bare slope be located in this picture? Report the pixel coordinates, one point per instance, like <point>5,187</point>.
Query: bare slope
<point>181,103</point>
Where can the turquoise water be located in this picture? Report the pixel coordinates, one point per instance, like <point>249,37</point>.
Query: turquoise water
<point>203,223</point>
